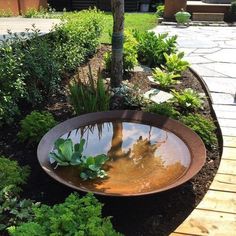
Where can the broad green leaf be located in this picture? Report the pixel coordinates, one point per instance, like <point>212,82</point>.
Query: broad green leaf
<point>66,149</point>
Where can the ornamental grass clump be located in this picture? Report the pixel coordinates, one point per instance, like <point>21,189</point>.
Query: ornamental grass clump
<point>89,96</point>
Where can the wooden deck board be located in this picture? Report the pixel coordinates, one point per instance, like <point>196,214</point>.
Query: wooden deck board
<point>227,167</point>
<point>229,153</point>
<point>227,122</point>
<point>228,131</point>
<point>203,222</point>
<point>229,141</point>
<point>219,201</point>
<point>224,183</point>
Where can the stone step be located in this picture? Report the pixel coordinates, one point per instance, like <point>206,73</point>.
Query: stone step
<point>197,16</point>
<point>198,6</point>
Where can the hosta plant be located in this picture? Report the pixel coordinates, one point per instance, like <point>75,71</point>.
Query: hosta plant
<point>175,63</point>
<point>165,79</point>
<point>68,154</point>
<point>188,99</point>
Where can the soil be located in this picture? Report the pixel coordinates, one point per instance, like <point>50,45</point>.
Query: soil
<point>157,214</point>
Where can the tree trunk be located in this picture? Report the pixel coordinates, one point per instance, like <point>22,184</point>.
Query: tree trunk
<point>117,42</point>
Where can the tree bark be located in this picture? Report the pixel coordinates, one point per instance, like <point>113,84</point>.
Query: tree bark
<point>117,42</point>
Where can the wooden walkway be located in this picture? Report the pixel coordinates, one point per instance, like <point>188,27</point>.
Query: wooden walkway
<point>216,213</point>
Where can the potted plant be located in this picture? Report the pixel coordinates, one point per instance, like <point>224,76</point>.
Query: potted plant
<point>172,7</point>
<point>182,17</point>
<point>144,5</point>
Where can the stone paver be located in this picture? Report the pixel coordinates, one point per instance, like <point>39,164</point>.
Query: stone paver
<point>212,54</point>
<point>19,24</point>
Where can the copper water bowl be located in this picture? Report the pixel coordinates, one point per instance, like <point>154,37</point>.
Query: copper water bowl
<point>150,180</point>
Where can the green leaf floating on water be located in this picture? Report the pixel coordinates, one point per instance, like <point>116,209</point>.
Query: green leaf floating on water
<point>66,153</point>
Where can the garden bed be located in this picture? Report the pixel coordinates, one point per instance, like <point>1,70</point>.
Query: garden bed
<point>157,214</point>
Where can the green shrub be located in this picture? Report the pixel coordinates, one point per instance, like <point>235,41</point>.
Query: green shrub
<point>203,127</point>
<point>188,99</point>
<point>12,174</point>
<point>175,64</point>
<point>76,216</point>
<point>35,125</point>
<point>13,210</point>
<point>87,97</point>
<point>151,47</point>
<point>12,81</point>
<point>130,56</point>
<point>42,67</point>
<point>77,37</point>
<point>165,79</point>
<point>164,109</point>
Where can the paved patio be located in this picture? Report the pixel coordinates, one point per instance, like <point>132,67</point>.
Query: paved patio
<point>19,24</point>
<point>212,53</point>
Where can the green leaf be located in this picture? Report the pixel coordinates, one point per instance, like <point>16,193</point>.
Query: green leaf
<point>66,149</point>
<point>79,147</point>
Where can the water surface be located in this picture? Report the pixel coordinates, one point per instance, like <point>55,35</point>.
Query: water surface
<point>142,158</point>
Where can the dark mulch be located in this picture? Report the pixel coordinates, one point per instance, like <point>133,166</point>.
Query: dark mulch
<point>158,214</point>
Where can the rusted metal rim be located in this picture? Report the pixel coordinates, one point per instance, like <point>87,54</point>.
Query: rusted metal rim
<point>191,139</point>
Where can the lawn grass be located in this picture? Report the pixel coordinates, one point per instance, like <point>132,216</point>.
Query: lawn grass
<point>139,21</point>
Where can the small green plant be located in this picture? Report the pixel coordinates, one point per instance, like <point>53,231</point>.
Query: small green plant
<point>76,216</point>
<point>35,125</point>
<point>205,128</point>
<point>66,154</point>
<point>160,10</point>
<point>130,56</point>
<point>182,17</point>
<point>188,99</point>
<point>31,12</point>
<point>175,64</point>
<point>165,79</point>
<point>151,47</point>
<point>12,174</point>
<point>87,97</point>
<point>13,210</point>
<point>165,109</point>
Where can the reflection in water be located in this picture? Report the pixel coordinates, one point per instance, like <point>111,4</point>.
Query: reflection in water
<point>142,158</point>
